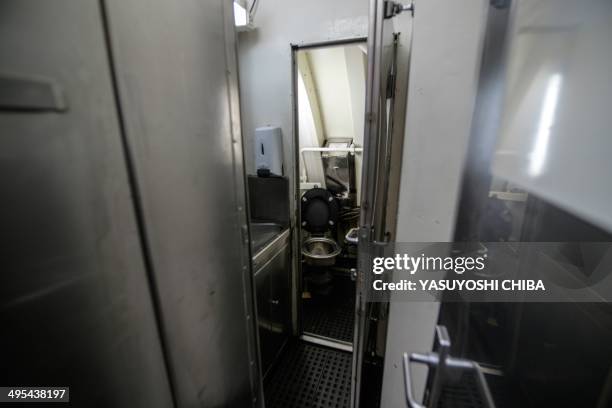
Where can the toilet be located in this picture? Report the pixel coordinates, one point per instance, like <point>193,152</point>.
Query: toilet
<point>319,217</point>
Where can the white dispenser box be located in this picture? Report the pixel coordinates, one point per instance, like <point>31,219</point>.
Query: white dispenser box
<point>269,149</point>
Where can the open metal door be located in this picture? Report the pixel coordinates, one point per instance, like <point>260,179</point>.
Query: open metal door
<point>375,226</point>
<point>75,303</point>
<point>179,97</point>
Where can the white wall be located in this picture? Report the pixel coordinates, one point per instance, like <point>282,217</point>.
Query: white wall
<point>265,59</point>
<point>329,68</point>
<point>310,129</point>
<point>337,95</point>
<point>445,63</point>
<point>332,73</point>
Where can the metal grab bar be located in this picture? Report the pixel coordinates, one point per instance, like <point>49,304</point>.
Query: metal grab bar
<point>351,149</point>
<point>442,362</point>
<point>352,236</point>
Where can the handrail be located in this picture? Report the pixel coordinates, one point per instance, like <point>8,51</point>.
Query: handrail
<point>351,149</point>
<point>442,361</point>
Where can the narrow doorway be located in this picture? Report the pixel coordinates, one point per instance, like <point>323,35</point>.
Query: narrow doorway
<point>315,368</point>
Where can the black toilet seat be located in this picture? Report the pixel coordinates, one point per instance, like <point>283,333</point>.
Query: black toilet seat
<point>319,211</point>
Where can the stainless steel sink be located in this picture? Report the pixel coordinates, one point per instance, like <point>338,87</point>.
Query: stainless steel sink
<point>263,233</point>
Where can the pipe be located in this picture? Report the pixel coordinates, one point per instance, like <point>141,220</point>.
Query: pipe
<point>351,149</point>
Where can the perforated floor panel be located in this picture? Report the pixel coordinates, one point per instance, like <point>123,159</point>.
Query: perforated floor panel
<point>332,316</point>
<point>462,394</point>
<point>465,393</point>
<point>309,376</point>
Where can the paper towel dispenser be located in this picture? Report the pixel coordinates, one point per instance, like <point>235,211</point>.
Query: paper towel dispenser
<point>269,149</point>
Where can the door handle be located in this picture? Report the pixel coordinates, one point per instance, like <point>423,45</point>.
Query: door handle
<point>29,94</point>
<point>441,361</point>
<point>393,8</point>
<point>410,400</point>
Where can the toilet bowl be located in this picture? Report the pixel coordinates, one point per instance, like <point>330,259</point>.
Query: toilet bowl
<point>320,251</point>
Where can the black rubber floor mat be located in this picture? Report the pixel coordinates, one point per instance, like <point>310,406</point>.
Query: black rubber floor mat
<point>310,376</point>
<point>332,316</point>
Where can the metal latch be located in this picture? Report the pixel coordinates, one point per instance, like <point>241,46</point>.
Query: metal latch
<point>392,8</point>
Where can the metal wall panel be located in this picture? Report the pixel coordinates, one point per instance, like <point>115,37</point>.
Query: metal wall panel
<point>75,308</point>
<point>175,64</point>
<point>555,128</point>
